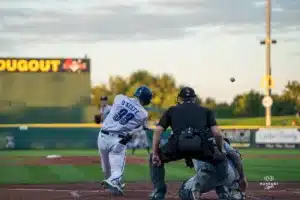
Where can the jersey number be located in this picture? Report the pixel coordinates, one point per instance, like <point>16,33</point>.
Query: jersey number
<point>123,116</point>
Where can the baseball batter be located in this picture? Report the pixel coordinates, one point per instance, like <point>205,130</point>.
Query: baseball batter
<point>206,179</point>
<point>126,114</point>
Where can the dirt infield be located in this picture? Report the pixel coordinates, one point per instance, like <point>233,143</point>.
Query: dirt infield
<point>72,160</point>
<point>88,160</point>
<point>133,191</point>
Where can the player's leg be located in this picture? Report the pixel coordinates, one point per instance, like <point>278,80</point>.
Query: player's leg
<point>223,190</point>
<point>103,152</point>
<point>234,188</point>
<point>105,163</point>
<point>203,181</point>
<point>186,190</point>
<point>148,149</point>
<point>117,157</point>
<point>168,153</point>
<point>133,150</point>
<point>135,145</point>
<point>147,144</point>
<point>157,174</point>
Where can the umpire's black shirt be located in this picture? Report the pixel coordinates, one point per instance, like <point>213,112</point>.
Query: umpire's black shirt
<point>186,115</point>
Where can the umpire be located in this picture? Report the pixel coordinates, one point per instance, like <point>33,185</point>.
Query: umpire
<point>195,136</point>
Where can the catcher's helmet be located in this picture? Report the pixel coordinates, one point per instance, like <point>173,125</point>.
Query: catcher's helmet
<point>103,98</point>
<point>144,94</point>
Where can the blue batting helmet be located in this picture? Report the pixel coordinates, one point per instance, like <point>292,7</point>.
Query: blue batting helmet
<point>144,94</point>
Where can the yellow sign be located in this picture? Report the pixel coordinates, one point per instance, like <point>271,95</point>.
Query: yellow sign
<point>239,145</point>
<point>30,65</point>
<point>268,80</point>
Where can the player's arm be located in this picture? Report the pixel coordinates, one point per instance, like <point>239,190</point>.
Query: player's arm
<point>145,125</point>
<point>237,162</point>
<point>107,111</point>
<point>163,124</point>
<point>215,130</point>
<point>236,159</point>
<point>101,116</point>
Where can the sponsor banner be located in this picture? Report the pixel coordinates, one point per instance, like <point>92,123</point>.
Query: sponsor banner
<point>277,136</point>
<point>279,146</point>
<point>238,137</point>
<point>23,65</point>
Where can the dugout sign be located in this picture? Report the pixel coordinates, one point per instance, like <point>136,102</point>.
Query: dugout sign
<point>44,65</point>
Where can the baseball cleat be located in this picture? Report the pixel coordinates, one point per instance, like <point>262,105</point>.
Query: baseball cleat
<point>115,189</point>
<point>105,187</point>
<point>158,194</point>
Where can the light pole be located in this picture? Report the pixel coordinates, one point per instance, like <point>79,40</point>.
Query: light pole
<point>268,41</point>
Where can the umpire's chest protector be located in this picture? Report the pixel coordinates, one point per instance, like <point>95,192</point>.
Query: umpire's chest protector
<point>195,144</point>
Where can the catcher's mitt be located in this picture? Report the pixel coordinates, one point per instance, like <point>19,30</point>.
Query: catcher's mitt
<point>97,119</point>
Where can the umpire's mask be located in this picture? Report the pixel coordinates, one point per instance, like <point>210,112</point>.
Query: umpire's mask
<point>186,95</point>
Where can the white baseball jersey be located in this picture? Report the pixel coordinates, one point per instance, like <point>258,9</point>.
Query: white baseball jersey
<point>105,110</point>
<point>126,114</point>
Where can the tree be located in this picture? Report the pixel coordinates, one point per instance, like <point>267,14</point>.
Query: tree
<point>238,106</point>
<point>165,90</point>
<point>164,87</point>
<point>223,110</point>
<point>292,92</point>
<point>248,104</point>
<point>210,103</point>
<point>282,105</point>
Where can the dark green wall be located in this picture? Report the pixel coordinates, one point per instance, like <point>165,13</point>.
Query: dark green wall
<point>44,97</point>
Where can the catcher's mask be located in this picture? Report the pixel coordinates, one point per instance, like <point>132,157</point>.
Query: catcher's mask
<point>186,94</point>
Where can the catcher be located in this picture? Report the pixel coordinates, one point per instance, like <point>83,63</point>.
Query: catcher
<point>233,187</point>
<point>195,136</point>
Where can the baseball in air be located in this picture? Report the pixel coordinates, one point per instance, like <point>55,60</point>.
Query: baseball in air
<point>232,79</point>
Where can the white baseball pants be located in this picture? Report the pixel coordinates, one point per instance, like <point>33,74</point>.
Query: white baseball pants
<point>113,156</point>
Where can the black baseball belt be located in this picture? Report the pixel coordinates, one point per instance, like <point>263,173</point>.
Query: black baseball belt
<point>108,133</point>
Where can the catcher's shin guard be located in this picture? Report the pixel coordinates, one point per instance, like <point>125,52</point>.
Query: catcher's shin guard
<point>157,174</point>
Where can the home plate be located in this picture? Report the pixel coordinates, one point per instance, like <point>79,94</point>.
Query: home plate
<point>75,194</point>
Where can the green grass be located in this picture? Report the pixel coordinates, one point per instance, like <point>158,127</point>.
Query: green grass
<point>258,121</point>
<point>283,169</point>
<point>140,153</point>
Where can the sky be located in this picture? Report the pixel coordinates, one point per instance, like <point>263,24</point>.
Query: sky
<point>201,42</point>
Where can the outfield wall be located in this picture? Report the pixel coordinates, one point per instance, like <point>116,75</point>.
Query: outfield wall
<point>45,90</point>
<point>62,136</point>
